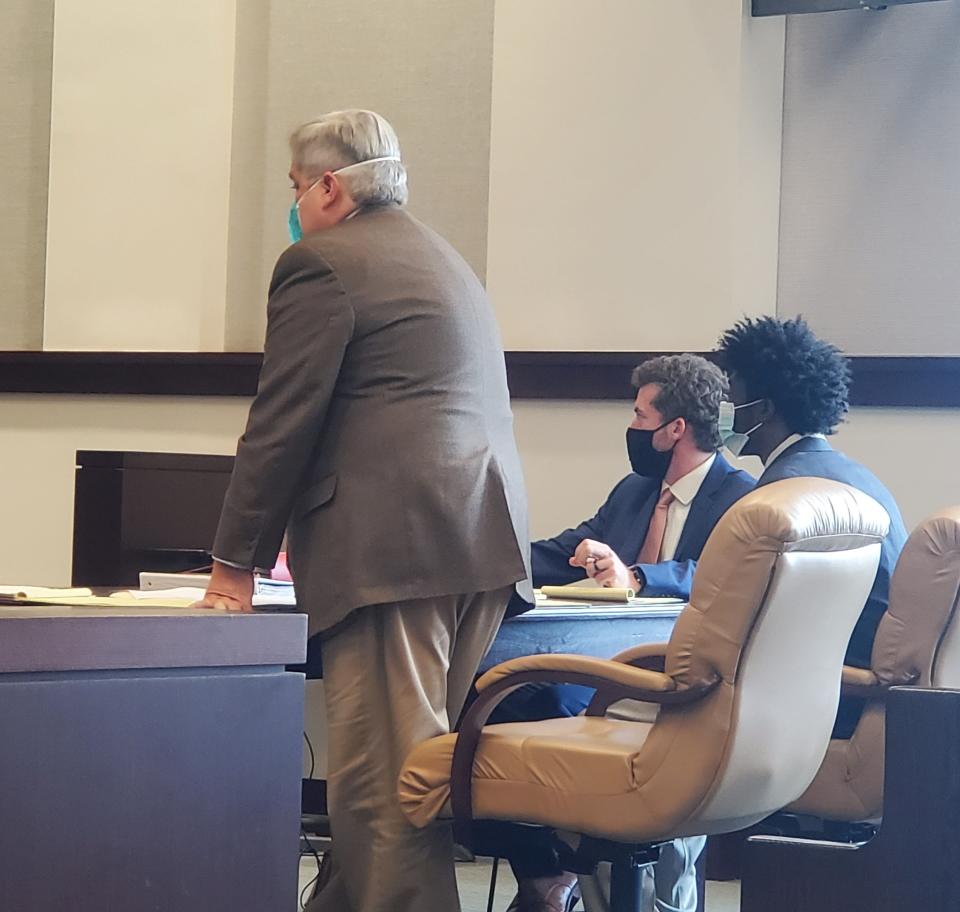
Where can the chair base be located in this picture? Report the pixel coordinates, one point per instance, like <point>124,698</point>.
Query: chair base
<point>502,839</point>
<point>805,826</point>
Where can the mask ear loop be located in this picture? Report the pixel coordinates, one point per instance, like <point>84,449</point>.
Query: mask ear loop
<point>759,424</point>
<point>662,426</point>
<point>305,192</point>
<point>368,161</point>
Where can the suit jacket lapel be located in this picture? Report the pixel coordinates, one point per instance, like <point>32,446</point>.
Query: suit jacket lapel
<point>702,502</point>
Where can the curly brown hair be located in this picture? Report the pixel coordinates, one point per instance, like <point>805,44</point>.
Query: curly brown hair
<point>690,388</point>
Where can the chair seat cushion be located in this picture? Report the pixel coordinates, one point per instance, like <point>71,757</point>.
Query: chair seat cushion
<point>849,783</point>
<point>573,773</point>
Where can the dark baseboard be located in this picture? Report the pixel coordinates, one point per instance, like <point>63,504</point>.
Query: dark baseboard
<point>907,382</point>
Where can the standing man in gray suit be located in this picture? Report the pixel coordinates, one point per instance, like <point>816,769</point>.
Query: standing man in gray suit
<point>381,438</point>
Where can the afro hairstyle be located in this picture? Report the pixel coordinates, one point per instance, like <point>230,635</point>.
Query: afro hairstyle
<point>806,379</point>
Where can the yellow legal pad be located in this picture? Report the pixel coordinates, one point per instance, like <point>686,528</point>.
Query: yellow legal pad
<point>587,593</point>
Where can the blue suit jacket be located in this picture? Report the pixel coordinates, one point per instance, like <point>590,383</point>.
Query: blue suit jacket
<point>622,524</point>
<point>814,457</point>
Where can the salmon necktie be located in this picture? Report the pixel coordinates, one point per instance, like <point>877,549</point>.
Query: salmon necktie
<point>653,543</point>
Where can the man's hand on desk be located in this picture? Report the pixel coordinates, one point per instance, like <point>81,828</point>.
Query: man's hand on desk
<point>229,588</point>
<point>602,564</point>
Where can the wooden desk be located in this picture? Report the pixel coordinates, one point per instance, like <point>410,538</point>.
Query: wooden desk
<point>593,630</point>
<point>150,760</point>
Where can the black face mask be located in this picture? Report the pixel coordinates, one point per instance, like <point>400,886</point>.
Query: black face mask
<point>644,458</point>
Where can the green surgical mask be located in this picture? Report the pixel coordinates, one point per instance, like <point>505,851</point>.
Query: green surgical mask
<point>733,441</point>
<point>293,219</point>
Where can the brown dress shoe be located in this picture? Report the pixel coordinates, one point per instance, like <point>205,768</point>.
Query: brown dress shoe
<point>559,893</point>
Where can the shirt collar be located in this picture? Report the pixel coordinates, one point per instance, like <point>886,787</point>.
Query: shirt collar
<point>786,444</point>
<point>686,488</point>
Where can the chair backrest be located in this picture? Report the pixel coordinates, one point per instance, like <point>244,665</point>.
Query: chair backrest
<point>777,592</point>
<point>917,642</point>
<point>918,639</point>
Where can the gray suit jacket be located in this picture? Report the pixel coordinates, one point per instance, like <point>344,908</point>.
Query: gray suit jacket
<point>381,432</point>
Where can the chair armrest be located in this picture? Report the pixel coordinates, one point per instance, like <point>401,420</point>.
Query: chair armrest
<point>564,668</point>
<point>652,656</point>
<point>614,681</point>
<point>646,655</point>
<point>862,682</point>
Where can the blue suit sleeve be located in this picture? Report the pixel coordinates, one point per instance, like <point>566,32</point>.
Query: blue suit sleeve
<point>550,557</point>
<point>549,561</point>
<point>668,579</point>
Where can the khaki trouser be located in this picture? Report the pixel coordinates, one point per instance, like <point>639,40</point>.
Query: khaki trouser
<point>394,676</point>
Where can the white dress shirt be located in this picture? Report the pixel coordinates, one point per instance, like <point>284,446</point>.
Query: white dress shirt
<point>786,444</point>
<point>684,490</point>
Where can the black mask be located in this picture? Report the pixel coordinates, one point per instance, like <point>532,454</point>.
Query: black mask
<point>645,459</point>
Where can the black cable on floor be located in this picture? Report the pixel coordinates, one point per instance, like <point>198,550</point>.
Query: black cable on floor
<point>313,758</point>
<point>493,884</point>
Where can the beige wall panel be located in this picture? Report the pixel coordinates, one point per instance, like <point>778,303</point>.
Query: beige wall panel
<point>634,175</point>
<point>912,451</point>
<point>139,174</point>
<point>40,436</point>
<point>871,178</point>
<point>568,476</point>
<point>26,44</point>
<point>423,64</point>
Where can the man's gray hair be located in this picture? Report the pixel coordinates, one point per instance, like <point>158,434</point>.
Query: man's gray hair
<point>690,388</point>
<point>343,138</point>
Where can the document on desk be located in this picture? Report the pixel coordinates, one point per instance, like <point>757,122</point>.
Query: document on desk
<point>39,592</point>
<point>115,600</point>
<point>271,592</point>
<point>266,592</point>
<point>587,593</point>
<point>585,596</point>
<point>184,596</point>
<point>180,597</point>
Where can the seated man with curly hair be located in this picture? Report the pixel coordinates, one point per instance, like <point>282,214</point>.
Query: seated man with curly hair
<point>790,391</point>
<point>646,536</point>
<point>650,531</point>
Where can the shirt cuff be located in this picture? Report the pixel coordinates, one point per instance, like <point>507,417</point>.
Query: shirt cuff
<point>227,563</point>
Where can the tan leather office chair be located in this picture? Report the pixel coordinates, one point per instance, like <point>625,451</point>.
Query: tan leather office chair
<point>917,643</point>
<point>748,691</point>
